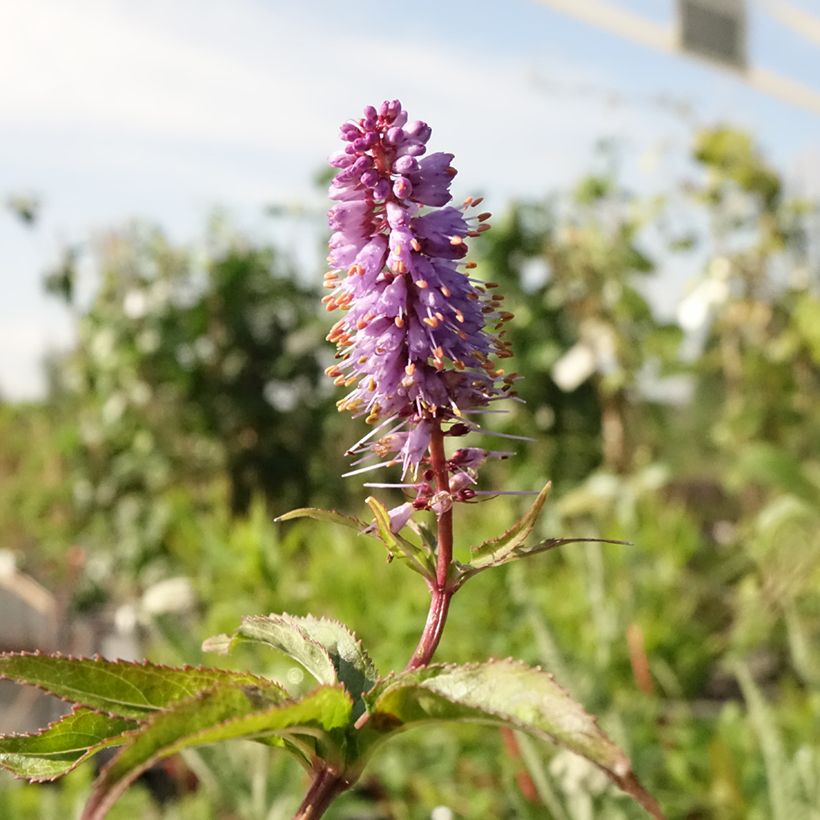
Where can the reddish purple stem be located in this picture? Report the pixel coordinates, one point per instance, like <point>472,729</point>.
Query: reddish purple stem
<point>440,590</point>
<point>327,784</point>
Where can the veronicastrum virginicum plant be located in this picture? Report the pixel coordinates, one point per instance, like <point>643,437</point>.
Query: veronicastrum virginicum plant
<point>418,345</point>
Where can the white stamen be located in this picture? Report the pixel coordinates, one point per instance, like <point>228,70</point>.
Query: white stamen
<point>472,479</point>
<point>483,432</point>
<point>383,486</point>
<point>369,467</point>
<point>372,433</point>
<point>506,492</point>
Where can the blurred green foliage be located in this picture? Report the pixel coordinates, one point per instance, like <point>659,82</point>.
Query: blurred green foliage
<point>164,451</point>
<point>197,368</point>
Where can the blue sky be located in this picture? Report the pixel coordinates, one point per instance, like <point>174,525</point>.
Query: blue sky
<point>161,110</point>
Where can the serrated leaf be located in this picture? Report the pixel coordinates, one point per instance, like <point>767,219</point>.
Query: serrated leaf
<point>122,688</point>
<point>62,745</point>
<point>495,548</point>
<point>326,648</point>
<point>417,557</point>
<point>504,556</point>
<point>502,693</point>
<point>283,633</point>
<point>224,713</point>
<point>354,667</point>
<point>324,515</point>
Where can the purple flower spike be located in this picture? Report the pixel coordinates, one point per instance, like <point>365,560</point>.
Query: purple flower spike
<point>418,334</point>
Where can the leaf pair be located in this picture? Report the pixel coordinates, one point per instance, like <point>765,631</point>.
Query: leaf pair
<point>497,692</point>
<point>507,547</point>
<point>154,711</point>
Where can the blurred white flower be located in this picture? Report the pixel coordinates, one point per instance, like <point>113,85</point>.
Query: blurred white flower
<point>574,367</point>
<point>696,308</point>
<point>135,304</point>
<point>205,349</point>
<point>169,595</point>
<point>140,393</point>
<point>113,408</point>
<point>102,345</point>
<point>281,396</point>
<point>149,341</point>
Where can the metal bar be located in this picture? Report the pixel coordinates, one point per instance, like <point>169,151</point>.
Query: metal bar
<point>665,38</point>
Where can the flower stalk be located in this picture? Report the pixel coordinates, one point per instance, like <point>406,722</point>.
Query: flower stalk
<point>440,590</point>
<point>416,342</point>
<point>326,786</point>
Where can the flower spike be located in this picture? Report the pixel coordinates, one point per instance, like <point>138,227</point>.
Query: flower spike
<point>418,333</point>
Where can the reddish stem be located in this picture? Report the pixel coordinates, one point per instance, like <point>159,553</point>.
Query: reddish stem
<point>327,785</point>
<point>440,591</point>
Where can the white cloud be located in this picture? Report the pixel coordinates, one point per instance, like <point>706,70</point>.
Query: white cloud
<point>257,77</point>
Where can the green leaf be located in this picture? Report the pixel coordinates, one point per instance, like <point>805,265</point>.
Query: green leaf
<point>495,548</point>
<point>418,558</point>
<point>62,745</point>
<point>354,668</point>
<point>326,648</point>
<point>223,713</point>
<point>781,789</point>
<point>501,693</point>
<point>120,687</point>
<point>324,515</point>
<point>774,467</point>
<point>504,556</point>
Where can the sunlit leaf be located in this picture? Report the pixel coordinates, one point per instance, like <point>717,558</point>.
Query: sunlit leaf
<point>502,693</point>
<point>63,745</point>
<point>326,648</point>
<point>516,535</point>
<point>465,571</point>
<point>122,688</point>
<point>324,515</point>
<point>224,713</point>
<point>418,558</point>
